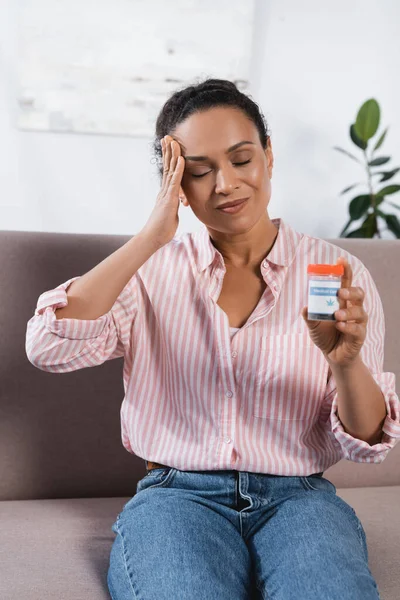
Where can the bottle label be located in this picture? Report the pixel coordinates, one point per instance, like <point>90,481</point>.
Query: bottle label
<point>322,297</point>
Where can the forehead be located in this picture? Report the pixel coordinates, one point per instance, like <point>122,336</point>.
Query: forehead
<point>214,130</point>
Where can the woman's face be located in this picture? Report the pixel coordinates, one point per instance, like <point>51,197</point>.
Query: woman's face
<point>224,161</point>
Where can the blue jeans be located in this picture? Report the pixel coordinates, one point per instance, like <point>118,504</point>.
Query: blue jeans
<point>230,535</point>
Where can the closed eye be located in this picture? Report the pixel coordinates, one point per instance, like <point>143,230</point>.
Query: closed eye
<point>236,165</point>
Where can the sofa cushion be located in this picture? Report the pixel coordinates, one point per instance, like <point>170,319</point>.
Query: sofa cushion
<point>56,548</point>
<point>61,548</point>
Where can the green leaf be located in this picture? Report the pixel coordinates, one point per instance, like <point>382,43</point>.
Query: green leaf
<point>379,161</point>
<point>359,205</point>
<point>371,225</point>
<point>349,222</point>
<point>349,188</point>
<point>386,174</point>
<point>347,153</point>
<point>393,224</point>
<point>367,229</point>
<point>357,233</point>
<point>378,200</point>
<point>380,141</point>
<point>389,189</point>
<point>393,204</point>
<point>356,139</point>
<point>367,121</point>
<point>380,213</point>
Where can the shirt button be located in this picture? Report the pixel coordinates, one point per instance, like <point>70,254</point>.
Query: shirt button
<point>227,440</point>
<point>229,394</point>
<point>234,354</point>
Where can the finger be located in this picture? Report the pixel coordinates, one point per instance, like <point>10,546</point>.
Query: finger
<point>346,279</point>
<point>175,151</point>
<point>176,179</point>
<point>355,294</point>
<point>177,160</point>
<point>347,276</point>
<point>354,331</point>
<point>354,313</point>
<point>162,154</point>
<point>167,160</point>
<point>165,170</point>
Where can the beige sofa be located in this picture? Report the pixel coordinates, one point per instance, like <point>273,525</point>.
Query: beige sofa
<point>64,472</point>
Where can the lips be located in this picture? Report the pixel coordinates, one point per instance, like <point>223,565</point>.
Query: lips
<point>233,203</point>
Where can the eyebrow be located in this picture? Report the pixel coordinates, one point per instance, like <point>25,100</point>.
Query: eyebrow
<point>234,147</point>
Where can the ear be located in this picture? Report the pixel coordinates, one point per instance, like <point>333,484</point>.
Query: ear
<point>270,157</point>
<point>182,197</point>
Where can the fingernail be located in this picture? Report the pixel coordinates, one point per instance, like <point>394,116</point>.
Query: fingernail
<point>345,293</point>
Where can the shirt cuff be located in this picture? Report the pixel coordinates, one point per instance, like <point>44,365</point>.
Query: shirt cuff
<point>358,450</point>
<point>73,329</point>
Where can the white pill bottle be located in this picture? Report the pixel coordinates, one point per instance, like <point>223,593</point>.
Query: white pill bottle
<point>324,281</point>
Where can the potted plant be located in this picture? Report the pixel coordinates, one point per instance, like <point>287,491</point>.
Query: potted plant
<point>368,205</point>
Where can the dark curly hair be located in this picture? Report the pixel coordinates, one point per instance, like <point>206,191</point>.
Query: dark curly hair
<point>200,97</point>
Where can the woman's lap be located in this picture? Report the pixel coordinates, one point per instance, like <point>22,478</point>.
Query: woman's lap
<point>312,548</point>
<point>220,534</point>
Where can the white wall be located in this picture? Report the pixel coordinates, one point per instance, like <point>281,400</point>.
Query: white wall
<point>320,61</point>
<point>314,64</point>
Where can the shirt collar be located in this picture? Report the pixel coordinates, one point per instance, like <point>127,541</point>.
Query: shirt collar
<point>282,253</point>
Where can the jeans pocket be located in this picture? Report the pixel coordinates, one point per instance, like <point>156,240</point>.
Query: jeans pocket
<point>318,483</point>
<point>159,477</point>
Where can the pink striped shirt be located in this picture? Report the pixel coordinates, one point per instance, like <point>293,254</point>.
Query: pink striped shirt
<point>201,397</point>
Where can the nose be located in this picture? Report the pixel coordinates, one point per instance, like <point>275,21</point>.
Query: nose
<point>225,180</point>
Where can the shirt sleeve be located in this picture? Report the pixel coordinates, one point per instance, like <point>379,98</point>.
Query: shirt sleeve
<point>371,353</point>
<point>63,345</point>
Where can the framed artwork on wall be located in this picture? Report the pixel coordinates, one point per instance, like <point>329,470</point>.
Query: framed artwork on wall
<point>106,67</point>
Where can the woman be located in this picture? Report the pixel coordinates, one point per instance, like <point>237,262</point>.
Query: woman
<point>235,400</point>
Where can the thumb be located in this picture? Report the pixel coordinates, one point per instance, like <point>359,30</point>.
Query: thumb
<point>310,324</point>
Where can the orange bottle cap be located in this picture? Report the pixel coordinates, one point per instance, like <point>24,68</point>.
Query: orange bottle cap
<point>326,269</point>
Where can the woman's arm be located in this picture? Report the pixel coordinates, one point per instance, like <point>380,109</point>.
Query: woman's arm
<point>93,294</point>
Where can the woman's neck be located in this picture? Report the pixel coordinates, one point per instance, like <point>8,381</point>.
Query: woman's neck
<point>246,250</point>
